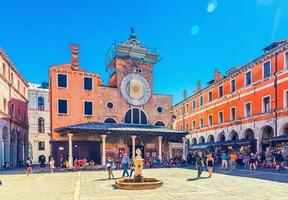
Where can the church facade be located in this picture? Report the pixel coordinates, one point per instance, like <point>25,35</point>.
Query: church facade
<point>92,120</point>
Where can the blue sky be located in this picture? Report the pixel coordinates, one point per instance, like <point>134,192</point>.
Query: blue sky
<point>193,42</point>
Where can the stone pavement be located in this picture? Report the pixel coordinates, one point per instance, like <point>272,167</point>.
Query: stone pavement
<point>178,184</point>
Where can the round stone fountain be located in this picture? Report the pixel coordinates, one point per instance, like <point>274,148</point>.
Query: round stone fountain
<point>138,182</point>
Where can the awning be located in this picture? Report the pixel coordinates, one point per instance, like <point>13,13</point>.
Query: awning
<point>109,128</point>
<point>280,138</point>
<point>222,143</point>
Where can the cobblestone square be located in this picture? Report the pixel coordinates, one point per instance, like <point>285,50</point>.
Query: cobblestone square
<point>178,184</point>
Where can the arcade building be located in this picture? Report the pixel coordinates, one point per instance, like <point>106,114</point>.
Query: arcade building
<point>246,108</point>
<point>91,120</point>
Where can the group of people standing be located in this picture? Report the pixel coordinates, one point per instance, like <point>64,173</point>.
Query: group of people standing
<point>200,160</point>
<point>126,164</point>
<point>42,165</point>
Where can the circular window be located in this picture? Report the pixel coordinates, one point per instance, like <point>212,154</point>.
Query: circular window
<point>109,105</point>
<point>159,109</point>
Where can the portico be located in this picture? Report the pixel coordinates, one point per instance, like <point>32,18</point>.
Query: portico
<point>115,140</point>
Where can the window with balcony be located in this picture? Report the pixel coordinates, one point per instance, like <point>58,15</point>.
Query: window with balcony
<point>220,117</point>
<point>88,83</point>
<point>220,91</point>
<point>88,108</point>
<point>266,104</point>
<point>248,78</point>
<point>233,114</point>
<point>194,124</point>
<point>210,96</point>
<point>247,109</point>
<point>267,69</point>
<point>181,110</point>
<point>187,107</point>
<point>62,106</point>
<point>187,127</point>
<point>62,80</point>
<point>210,120</point>
<point>233,86</point>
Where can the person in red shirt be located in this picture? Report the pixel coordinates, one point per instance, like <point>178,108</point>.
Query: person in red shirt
<point>76,165</point>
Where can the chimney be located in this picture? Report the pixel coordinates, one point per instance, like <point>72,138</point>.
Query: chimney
<point>198,86</point>
<point>75,58</point>
<point>185,94</point>
<point>217,75</point>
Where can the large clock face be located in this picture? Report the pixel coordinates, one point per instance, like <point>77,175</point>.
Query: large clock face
<point>135,89</point>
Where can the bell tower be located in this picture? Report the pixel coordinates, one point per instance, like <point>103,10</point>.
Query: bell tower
<point>130,57</point>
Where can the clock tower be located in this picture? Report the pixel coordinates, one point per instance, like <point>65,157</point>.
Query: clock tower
<point>131,65</point>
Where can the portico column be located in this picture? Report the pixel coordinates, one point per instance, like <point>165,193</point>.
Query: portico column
<point>170,151</point>
<point>160,147</point>
<point>184,148</point>
<point>103,149</point>
<point>70,135</point>
<point>133,145</point>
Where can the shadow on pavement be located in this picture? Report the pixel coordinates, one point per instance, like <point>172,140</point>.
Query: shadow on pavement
<point>195,179</point>
<point>264,174</point>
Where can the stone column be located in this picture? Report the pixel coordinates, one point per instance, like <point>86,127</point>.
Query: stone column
<point>2,151</point>
<point>103,149</point>
<point>70,135</point>
<point>190,141</point>
<point>170,151</point>
<point>258,145</point>
<point>160,147</point>
<point>184,148</point>
<point>133,145</point>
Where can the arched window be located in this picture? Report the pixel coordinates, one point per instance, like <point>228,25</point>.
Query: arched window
<point>135,116</point>
<point>40,103</point>
<point>159,123</point>
<point>41,127</point>
<point>110,121</point>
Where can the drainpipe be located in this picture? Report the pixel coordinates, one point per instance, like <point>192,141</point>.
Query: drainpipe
<point>276,94</point>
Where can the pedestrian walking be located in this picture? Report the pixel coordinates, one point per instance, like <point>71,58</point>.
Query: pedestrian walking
<point>210,164</point>
<point>132,168</point>
<point>199,164</point>
<point>233,159</point>
<point>62,163</point>
<point>42,164</point>
<point>29,166</point>
<point>125,162</point>
<point>252,161</point>
<point>52,165</point>
<point>224,158</point>
<point>109,167</point>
